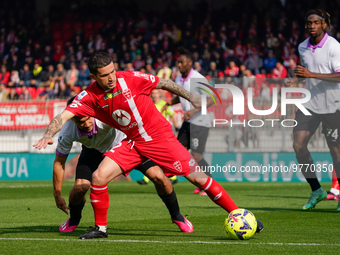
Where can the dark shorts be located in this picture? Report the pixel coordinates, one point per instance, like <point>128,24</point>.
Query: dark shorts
<point>145,166</point>
<point>330,124</point>
<point>90,159</point>
<point>193,137</point>
<point>88,162</point>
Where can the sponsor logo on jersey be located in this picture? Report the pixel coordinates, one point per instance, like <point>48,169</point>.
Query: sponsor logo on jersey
<point>127,94</point>
<point>112,95</point>
<point>122,117</point>
<point>81,95</point>
<point>178,166</point>
<point>105,106</point>
<point>145,76</point>
<point>133,124</point>
<point>192,162</point>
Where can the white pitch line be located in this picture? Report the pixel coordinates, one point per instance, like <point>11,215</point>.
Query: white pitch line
<point>20,186</point>
<point>169,242</point>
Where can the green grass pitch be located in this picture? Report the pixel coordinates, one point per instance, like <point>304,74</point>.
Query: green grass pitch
<point>139,223</point>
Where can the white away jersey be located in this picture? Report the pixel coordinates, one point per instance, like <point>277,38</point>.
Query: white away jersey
<point>194,76</point>
<point>102,139</point>
<point>322,58</point>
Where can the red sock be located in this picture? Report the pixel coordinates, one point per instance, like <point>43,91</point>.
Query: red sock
<point>335,183</point>
<point>218,195</point>
<point>100,202</point>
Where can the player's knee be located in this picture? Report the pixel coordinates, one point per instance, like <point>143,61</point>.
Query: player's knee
<point>81,189</point>
<point>299,148</point>
<point>155,174</point>
<point>198,180</point>
<point>158,178</point>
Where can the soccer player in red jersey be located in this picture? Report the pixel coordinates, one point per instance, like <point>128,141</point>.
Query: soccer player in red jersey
<point>122,100</point>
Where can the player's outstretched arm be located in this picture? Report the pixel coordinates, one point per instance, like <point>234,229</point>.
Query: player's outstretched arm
<point>174,88</point>
<point>58,176</point>
<point>53,128</point>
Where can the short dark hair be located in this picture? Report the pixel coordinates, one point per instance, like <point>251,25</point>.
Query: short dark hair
<point>183,51</point>
<point>97,60</point>
<point>322,13</point>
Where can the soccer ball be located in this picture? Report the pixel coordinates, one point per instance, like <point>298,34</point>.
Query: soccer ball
<point>240,224</point>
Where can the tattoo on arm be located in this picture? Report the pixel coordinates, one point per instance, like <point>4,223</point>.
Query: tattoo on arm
<point>173,88</point>
<point>55,126</point>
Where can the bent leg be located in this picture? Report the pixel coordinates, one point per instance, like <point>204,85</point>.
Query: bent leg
<point>162,183</point>
<point>214,190</point>
<point>165,191</point>
<point>107,170</point>
<point>304,158</point>
<point>77,200</point>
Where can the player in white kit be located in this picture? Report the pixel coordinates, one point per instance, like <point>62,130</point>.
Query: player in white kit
<point>320,65</point>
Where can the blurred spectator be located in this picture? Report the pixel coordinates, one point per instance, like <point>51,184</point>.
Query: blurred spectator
<point>14,63</point>
<point>231,57</point>
<point>279,71</point>
<point>232,70</point>
<point>198,68</point>
<point>248,79</point>
<point>271,41</point>
<point>176,34</point>
<point>213,72</point>
<point>290,70</point>
<point>25,94</point>
<point>125,60</point>
<point>3,92</point>
<point>63,92</point>
<point>221,77</point>
<point>47,76</point>
<point>269,62</point>
<point>58,54</point>
<point>14,79</point>
<point>164,72</point>
<point>36,78</point>
<point>60,73</point>
<point>206,59</point>
<point>149,69</point>
<point>159,64</point>
<point>4,74</point>
<point>71,76</point>
<point>84,75</point>
<point>129,67</point>
<point>138,63</point>
<point>116,66</point>
<point>13,95</point>
<point>242,71</point>
<point>59,79</point>
<point>47,56</point>
<point>25,76</point>
<point>254,62</point>
<point>46,94</point>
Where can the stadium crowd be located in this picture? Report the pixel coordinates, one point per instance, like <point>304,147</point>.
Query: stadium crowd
<point>44,56</point>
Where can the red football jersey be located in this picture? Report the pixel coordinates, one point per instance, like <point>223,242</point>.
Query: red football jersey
<point>127,107</point>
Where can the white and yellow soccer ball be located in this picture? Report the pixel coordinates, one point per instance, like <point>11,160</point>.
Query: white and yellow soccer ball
<point>240,224</point>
